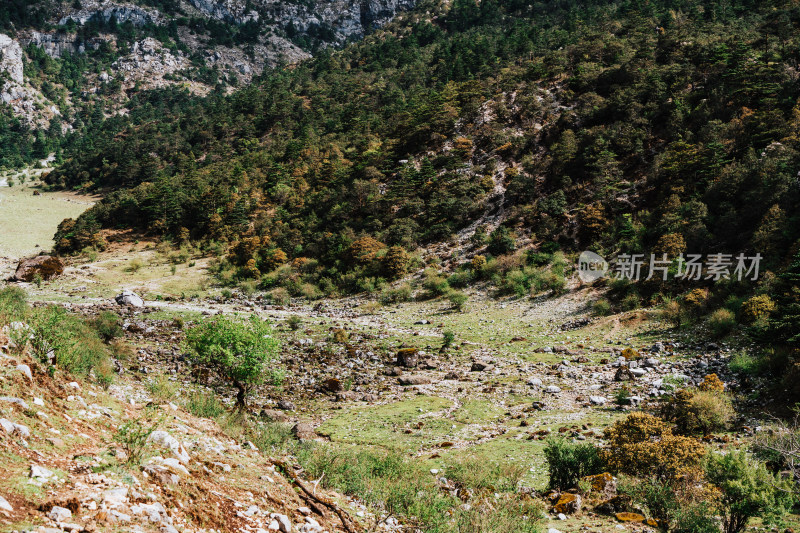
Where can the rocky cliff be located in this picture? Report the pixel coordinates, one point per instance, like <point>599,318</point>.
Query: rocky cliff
<point>197,44</point>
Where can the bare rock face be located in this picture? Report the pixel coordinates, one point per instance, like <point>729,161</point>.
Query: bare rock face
<point>11,58</point>
<point>46,266</point>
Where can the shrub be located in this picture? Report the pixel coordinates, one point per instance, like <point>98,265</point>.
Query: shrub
<point>478,263</point>
<point>757,308</point>
<point>460,278</point>
<point>273,437</point>
<point>239,351</point>
<point>447,339</point>
<point>747,489</point>
<point>133,435</point>
<point>457,299</point>
<point>340,336</point>
<point>747,363</point>
<point>721,322</point>
<point>162,389</point>
<point>13,304</point>
<point>107,326</point>
<point>711,383</point>
<point>601,307</point>
<point>364,250</point>
<point>673,313</point>
<point>74,346</point>
<point>279,296</point>
<point>396,262</point>
<point>698,412</point>
<point>696,299</point>
<point>643,444</point>
<point>567,463</point>
<point>398,485</point>
<point>435,284</point>
<point>676,507</point>
<point>630,302</point>
<point>134,266</point>
<point>501,241</point>
<point>309,291</point>
<point>294,322</point>
<point>396,295</point>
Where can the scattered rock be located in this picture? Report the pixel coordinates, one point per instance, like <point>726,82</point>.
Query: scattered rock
<point>568,503</point>
<point>629,517</point>
<point>303,431</point>
<point>25,370</point>
<point>165,440</point>
<point>481,366</point>
<point>5,506</point>
<point>40,473</point>
<point>333,385</point>
<point>603,484</point>
<point>45,266</point>
<point>413,380</point>
<point>624,374</point>
<point>408,357</point>
<point>286,405</point>
<point>19,401</point>
<point>59,514</point>
<point>130,299</point>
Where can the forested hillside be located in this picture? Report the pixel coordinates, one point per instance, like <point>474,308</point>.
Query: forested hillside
<point>622,126</point>
<point>65,64</point>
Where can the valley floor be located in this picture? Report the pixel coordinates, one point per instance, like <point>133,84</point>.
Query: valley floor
<point>517,371</point>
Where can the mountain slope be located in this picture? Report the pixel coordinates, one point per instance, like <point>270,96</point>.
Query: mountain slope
<point>76,56</point>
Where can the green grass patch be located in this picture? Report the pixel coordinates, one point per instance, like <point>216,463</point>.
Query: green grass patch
<point>387,425</point>
<point>391,483</point>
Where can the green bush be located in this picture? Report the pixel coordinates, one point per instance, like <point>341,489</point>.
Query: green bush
<point>721,322</point>
<point>13,304</point>
<point>162,389</point>
<point>567,462</point>
<point>748,490</point>
<point>396,295</point>
<point>447,339</point>
<point>74,345</point>
<point>240,351</point>
<point>630,302</point>
<point>461,278</point>
<point>501,241</point>
<point>294,322</point>
<point>107,326</point>
<point>698,412</point>
<point>601,307</point>
<point>676,507</point>
<point>279,296</point>
<point>457,299</point>
<point>435,284</point>
<point>133,435</point>
<point>748,364</point>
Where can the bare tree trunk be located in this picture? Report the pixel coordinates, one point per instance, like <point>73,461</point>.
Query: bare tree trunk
<point>241,395</point>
